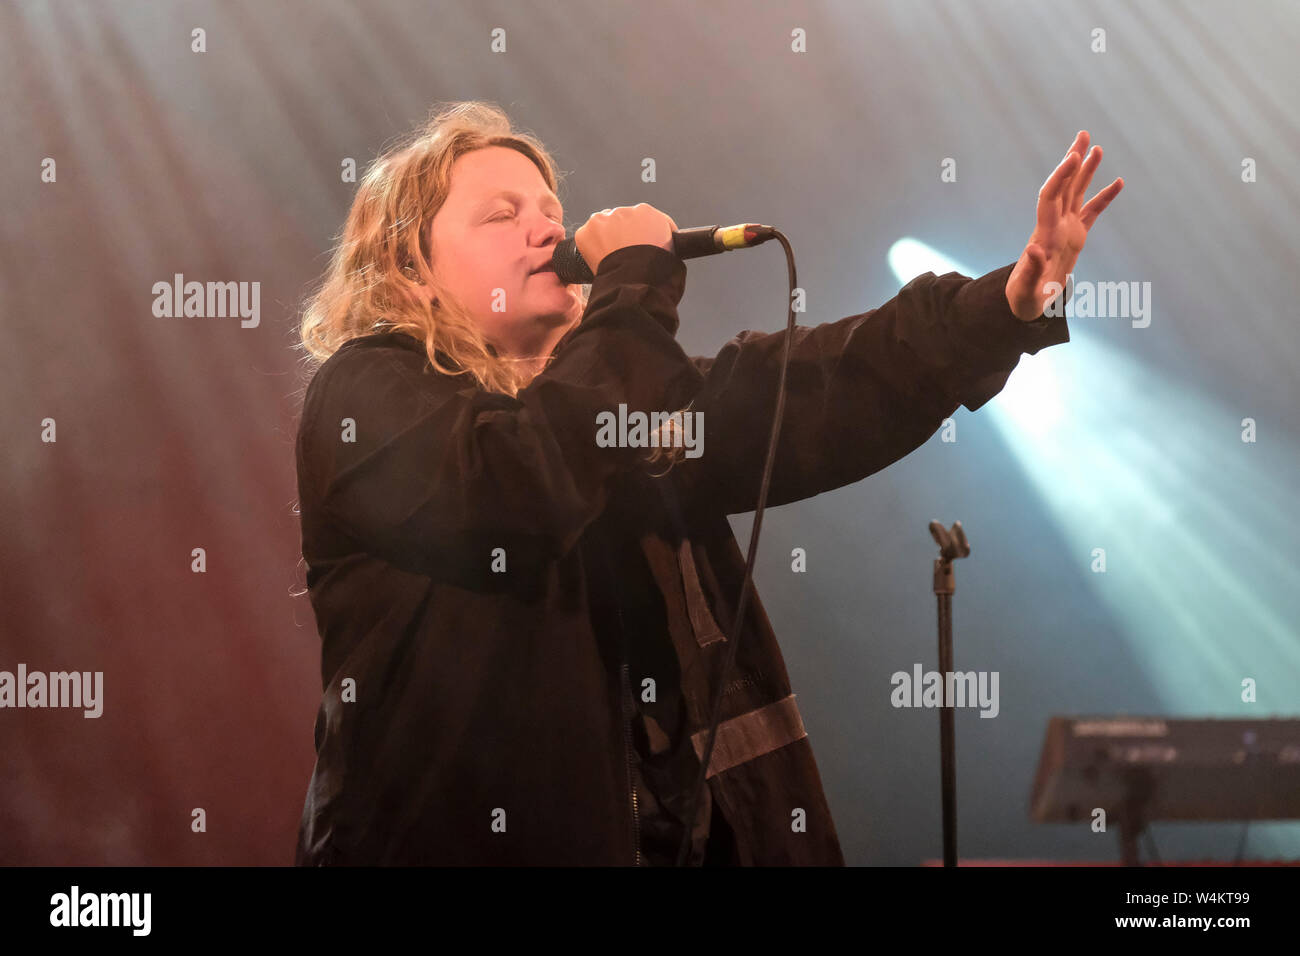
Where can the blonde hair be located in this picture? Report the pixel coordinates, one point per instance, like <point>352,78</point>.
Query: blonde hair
<point>382,254</point>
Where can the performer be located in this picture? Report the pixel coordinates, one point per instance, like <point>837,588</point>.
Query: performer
<point>520,626</point>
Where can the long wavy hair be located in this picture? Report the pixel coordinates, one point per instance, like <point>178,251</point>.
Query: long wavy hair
<point>382,255</point>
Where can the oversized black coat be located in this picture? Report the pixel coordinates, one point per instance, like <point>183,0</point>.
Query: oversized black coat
<point>521,629</point>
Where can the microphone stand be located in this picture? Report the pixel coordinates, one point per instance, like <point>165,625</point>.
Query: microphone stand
<point>952,545</point>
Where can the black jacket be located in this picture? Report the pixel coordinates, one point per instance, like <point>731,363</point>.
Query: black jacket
<point>497,596</point>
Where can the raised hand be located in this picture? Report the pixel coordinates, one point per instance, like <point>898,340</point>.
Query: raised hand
<point>1061,230</point>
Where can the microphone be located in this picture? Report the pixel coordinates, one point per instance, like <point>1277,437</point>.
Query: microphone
<point>687,244</point>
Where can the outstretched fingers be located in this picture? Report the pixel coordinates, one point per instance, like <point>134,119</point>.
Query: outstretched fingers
<point>1053,198</point>
<point>1054,188</point>
<point>1079,187</point>
<point>1099,202</point>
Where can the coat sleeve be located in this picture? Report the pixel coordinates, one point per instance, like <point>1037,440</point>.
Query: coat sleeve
<point>861,392</point>
<point>436,462</point>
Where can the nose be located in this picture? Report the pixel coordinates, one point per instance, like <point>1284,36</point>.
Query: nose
<point>547,232</point>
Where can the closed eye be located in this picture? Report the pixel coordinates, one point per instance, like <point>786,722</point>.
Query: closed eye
<point>503,216</point>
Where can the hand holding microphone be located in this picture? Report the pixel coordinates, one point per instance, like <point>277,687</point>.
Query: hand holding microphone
<point>577,259</point>
<point>613,229</point>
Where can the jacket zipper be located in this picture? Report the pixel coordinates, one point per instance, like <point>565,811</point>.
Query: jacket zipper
<point>628,708</point>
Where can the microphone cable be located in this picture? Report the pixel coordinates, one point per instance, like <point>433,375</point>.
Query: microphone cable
<point>737,624</point>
